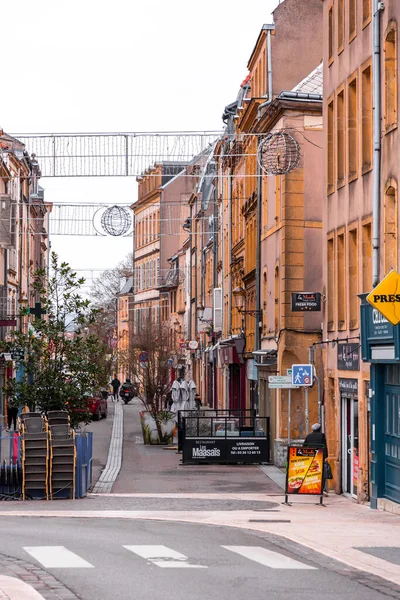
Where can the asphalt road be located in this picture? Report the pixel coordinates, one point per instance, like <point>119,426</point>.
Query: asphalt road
<point>123,560</point>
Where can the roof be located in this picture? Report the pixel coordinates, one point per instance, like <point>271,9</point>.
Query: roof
<point>312,84</point>
<point>128,287</point>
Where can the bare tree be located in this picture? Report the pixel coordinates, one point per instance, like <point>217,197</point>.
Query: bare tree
<point>153,375</point>
<point>106,287</point>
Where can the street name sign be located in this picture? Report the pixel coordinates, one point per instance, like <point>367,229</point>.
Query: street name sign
<point>281,382</point>
<point>302,375</point>
<point>385,297</point>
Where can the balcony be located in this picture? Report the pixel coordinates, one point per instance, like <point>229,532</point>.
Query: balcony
<point>170,278</point>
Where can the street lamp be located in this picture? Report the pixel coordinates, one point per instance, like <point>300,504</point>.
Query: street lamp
<point>200,314</point>
<point>239,296</point>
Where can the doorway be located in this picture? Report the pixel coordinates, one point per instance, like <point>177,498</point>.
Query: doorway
<point>350,449</point>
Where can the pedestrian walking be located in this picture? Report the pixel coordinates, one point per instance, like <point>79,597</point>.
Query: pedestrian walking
<point>317,439</point>
<point>12,414</point>
<point>116,384</point>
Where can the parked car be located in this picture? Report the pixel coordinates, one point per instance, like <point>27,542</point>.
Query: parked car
<point>97,404</point>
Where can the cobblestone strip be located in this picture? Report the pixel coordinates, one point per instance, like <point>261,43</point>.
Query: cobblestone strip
<point>41,581</point>
<point>114,459</point>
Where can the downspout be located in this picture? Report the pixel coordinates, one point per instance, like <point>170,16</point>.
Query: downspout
<point>376,128</point>
<point>257,336</point>
<point>190,274</point>
<point>269,29</point>
<point>230,184</point>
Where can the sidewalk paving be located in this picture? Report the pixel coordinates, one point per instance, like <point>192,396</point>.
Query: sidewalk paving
<point>154,469</point>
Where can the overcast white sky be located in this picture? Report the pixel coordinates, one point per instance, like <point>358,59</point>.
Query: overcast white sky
<point>125,65</point>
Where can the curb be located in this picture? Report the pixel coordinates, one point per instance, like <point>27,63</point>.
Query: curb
<point>15,589</point>
<point>114,459</point>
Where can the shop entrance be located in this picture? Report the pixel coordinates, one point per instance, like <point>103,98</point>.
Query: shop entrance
<point>350,449</point>
<point>392,432</point>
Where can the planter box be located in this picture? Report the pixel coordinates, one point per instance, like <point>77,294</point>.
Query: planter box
<point>159,429</point>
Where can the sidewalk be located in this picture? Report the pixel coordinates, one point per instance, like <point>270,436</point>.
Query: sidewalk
<point>155,469</point>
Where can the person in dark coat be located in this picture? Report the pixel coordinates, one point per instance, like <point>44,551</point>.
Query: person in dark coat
<point>115,386</point>
<point>12,414</point>
<point>316,439</point>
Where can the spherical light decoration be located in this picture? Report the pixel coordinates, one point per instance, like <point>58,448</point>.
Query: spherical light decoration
<point>116,220</point>
<point>278,153</point>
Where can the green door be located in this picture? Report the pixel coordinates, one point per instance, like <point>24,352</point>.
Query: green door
<point>392,433</point>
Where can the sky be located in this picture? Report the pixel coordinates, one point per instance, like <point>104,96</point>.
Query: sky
<point>125,65</point>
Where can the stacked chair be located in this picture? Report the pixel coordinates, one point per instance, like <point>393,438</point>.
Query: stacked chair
<point>35,446</point>
<point>48,455</point>
<point>62,455</point>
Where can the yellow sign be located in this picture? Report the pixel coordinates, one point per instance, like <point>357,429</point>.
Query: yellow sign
<point>386,297</point>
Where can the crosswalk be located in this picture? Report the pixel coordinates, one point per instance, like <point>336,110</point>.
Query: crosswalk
<point>60,557</point>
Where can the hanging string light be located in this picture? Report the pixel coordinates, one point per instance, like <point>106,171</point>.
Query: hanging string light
<point>278,153</point>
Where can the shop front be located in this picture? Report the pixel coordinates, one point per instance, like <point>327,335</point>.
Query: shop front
<point>348,389</point>
<point>230,355</point>
<point>381,347</point>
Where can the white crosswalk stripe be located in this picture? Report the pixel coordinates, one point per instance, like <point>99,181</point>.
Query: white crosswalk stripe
<point>268,558</point>
<point>57,557</point>
<point>163,557</point>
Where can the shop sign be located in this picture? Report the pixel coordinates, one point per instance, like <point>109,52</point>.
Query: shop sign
<point>348,385</point>
<point>193,345</point>
<point>379,326</point>
<point>355,467</point>
<point>348,357</point>
<point>304,471</point>
<point>183,346</point>
<point>8,322</point>
<point>306,301</point>
<point>225,450</point>
<point>386,299</point>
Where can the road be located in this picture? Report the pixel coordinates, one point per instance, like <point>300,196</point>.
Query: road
<point>120,560</point>
<point>191,532</point>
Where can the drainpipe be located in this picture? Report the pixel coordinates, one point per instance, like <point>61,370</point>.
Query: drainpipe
<point>269,29</point>
<point>230,185</point>
<point>257,336</point>
<point>376,127</point>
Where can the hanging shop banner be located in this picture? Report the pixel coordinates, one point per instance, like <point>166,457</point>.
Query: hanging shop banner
<point>304,471</point>
<point>306,301</point>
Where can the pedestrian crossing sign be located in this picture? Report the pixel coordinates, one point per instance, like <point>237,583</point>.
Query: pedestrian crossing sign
<point>302,375</point>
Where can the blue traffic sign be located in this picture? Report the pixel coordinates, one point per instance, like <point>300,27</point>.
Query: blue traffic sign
<point>302,375</point>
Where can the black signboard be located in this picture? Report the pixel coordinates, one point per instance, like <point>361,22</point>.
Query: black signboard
<point>348,357</point>
<point>348,385</point>
<point>306,301</point>
<point>225,450</point>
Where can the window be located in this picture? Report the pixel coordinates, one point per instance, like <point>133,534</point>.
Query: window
<point>341,281</point>
<point>331,160</point>
<point>331,284</point>
<point>340,132</point>
<point>366,252</point>
<point>340,41</point>
<point>331,35</point>
<point>278,197</point>
<point>390,229</point>
<point>277,300</point>
<point>264,301</point>
<point>353,279</point>
<point>352,19</point>
<point>390,53</point>
<point>265,202</point>
<point>366,119</point>
<point>352,129</point>
<point>366,14</point>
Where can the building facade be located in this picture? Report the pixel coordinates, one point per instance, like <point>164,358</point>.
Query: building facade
<point>24,243</point>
